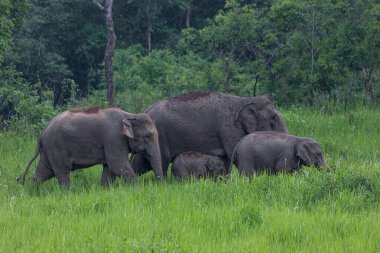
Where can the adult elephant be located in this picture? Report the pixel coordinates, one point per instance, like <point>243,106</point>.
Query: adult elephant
<point>210,123</point>
<point>84,137</point>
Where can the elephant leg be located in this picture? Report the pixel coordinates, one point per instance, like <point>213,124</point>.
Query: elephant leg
<point>140,164</point>
<point>116,152</point>
<point>64,179</point>
<point>165,166</point>
<point>201,171</point>
<point>283,166</point>
<point>246,165</point>
<point>61,166</point>
<point>118,163</point>
<point>122,170</point>
<point>246,169</point>
<point>62,173</point>
<point>108,177</point>
<point>43,170</point>
<point>227,163</point>
<point>179,173</point>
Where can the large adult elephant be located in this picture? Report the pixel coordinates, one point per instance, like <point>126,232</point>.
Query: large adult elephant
<point>84,137</point>
<point>210,123</point>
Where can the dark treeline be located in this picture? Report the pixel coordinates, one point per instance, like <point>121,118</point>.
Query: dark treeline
<point>296,52</point>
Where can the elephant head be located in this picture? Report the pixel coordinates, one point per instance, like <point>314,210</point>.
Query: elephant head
<point>215,166</point>
<point>143,138</point>
<point>309,153</point>
<point>259,115</point>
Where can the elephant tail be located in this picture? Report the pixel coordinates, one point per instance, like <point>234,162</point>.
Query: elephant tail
<point>233,156</point>
<point>21,180</point>
<point>232,161</point>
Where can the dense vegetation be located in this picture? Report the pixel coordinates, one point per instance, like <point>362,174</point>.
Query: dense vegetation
<point>311,211</point>
<point>297,52</point>
<point>317,60</point>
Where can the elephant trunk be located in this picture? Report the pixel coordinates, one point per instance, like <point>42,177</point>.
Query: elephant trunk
<point>281,127</point>
<point>322,165</point>
<point>154,158</point>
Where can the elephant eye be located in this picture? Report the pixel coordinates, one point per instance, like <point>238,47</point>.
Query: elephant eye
<point>148,137</point>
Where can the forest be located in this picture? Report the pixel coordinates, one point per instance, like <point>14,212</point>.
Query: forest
<point>317,61</point>
<point>312,53</point>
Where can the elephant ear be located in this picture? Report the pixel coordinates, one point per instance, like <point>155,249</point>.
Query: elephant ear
<point>247,118</point>
<point>302,151</point>
<point>128,129</point>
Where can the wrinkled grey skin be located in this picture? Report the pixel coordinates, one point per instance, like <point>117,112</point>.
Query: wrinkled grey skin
<point>208,123</point>
<point>84,137</point>
<point>197,164</point>
<point>276,152</point>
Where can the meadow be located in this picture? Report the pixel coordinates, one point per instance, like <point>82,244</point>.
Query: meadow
<point>309,211</point>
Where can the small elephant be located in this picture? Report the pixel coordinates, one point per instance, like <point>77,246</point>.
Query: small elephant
<point>84,137</point>
<point>197,164</point>
<point>276,152</point>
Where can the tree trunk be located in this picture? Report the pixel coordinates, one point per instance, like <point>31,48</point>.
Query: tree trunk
<point>188,13</point>
<point>149,37</point>
<point>255,86</point>
<point>149,29</point>
<point>110,48</point>
<point>312,43</point>
<point>228,73</point>
<point>368,75</point>
<point>284,91</point>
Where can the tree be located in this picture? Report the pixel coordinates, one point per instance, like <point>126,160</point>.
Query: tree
<point>152,15</point>
<point>228,38</point>
<point>6,27</point>
<point>110,48</point>
<point>59,46</point>
<point>20,102</point>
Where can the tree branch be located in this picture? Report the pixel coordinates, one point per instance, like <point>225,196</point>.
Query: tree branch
<point>100,7</point>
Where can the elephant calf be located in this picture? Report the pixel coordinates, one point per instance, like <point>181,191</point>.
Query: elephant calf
<point>197,164</point>
<point>275,152</point>
<point>84,137</point>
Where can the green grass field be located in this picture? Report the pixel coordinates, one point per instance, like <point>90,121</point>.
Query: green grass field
<point>312,211</point>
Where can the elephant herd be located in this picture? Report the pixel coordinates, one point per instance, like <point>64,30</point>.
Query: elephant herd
<point>200,133</point>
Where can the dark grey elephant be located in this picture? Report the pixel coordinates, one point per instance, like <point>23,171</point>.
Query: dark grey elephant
<point>197,164</point>
<point>209,123</point>
<point>84,137</point>
<point>276,152</point>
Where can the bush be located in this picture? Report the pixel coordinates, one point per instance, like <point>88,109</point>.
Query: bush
<point>22,104</point>
<point>144,79</point>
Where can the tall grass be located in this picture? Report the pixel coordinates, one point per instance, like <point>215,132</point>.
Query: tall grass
<point>310,211</point>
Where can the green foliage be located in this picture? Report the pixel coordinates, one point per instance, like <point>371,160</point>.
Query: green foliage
<point>60,42</point>
<point>323,54</point>
<point>164,19</point>
<point>294,51</point>
<point>22,105</point>
<point>309,211</point>
<point>5,28</point>
<point>143,79</point>
<point>227,39</point>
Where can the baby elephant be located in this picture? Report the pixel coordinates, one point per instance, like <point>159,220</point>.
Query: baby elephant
<point>275,152</point>
<point>197,164</point>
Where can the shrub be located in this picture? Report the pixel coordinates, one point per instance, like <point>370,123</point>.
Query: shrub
<point>22,104</point>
